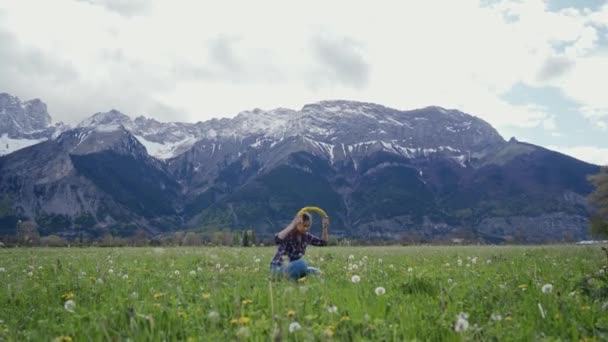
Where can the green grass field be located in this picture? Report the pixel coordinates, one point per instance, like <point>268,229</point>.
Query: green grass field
<point>217,294</point>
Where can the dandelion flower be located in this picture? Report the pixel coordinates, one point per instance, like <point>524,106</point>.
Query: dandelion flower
<point>380,260</point>
<point>351,257</point>
<point>213,315</point>
<point>70,305</point>
<point>257,260</point>
<point>294,326</point>
<point>447,264</point>
<point>30,274</point>
<point>380,291</point>
<point>62,339</point>
<point>218,266</point>
<point>2,270</point>
<point>355,279</point>
<point>125,276</point>
<point>459,262</point>
<point>176,272</point>
<point>243,332</point>
<point>547,288</point>
<point>247,302</point>
<point>291,313</point>
<point>193,273</point>
<point>461,324</point>
<point>199,269</point>
<point>99,281</point>
<point>332,309</point>
<point>244,320</point>
<point>410,270</point>
<point>474,260</point>
<point>111,271</point>
<point>68,295</point>
<point>496,317</point>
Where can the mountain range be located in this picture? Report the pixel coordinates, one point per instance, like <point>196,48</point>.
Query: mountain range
<point>429,174</point>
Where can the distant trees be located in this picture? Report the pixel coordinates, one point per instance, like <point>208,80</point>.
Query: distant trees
<point>598,199</point>
<point>27,233</point>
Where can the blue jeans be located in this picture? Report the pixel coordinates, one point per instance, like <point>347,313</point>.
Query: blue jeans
<point>294,270</point>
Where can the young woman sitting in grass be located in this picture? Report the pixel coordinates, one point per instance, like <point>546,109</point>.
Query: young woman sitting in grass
<point>292,241</point>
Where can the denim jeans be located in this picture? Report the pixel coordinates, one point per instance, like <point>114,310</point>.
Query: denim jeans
<point>294,270</point>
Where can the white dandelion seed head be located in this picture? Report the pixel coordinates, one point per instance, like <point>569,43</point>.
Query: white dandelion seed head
<point>111,271</point>
<point>83,274</point>
<point>213,315</point>
<point>199,269</point>
<point>380,260</point>
<point>2,270</point>
<point>257,260</point>
<point>134,295</point>
<point>294,326</point>
<point>355,267</point>
<point>547,288</point>
<point>447,264</point>
<point>462,323</point>
<point>410,270</point>
<point>351,257</point>
<point>40,267</point>
<point>99,281</point>
<point>125,276</point>
<point>30,267</point>
<point>450,280</point>
<point>70,305</point>
<point>221,270</point>
<point>605,305</point>
<point>380,291</point>
<point>488,261</point>
<point>243,332</point>
<point>193,273</point>
<point>321,259</point>
<point>602,272</point>
<point>459,262</point>
<point>218,266</point>
<point>355,279</point>
<point>30,273</point>
<point>496,317</point>
<point>474,260</point>
<point>332,309</point>
<point>391,266</point>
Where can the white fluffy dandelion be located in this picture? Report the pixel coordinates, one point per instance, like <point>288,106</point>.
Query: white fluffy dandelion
<point>332,309</point>
<point>459,262</point>
<point>351,257</point>
<point>355,279</point>
<point>134,295</point>
<point>461,324</point>
<point>193,273</point>
<point>294,326</point>
<point>547,288</point>
<point>111,271</point>
<point>380,291</point>
<point>199,269</point>
<point>70,305</point>
<point>2,270</point>
<point>176,272</point>
<point>213,315</point>
<point>496,317</point>
<point>257,260</point>
<point>30,273</point>
<point>125,276</point>
<point>410,270</point>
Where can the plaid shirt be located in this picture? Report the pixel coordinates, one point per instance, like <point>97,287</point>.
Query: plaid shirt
<point>294,246</point>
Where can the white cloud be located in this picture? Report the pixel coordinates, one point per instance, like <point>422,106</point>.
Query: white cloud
<point>194,60</point>
<point>590,154</point>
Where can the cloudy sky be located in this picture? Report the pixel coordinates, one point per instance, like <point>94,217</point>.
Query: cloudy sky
<point>534,69</point>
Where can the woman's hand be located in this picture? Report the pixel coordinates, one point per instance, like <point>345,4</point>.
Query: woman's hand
<point>325,223</point>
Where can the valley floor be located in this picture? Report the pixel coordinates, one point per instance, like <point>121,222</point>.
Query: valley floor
<point>365,293</point>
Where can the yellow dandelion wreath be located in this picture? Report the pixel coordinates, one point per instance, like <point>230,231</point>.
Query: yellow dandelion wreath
<point>313,210</point>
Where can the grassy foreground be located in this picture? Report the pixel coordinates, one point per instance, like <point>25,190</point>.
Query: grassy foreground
<point>403,293</point>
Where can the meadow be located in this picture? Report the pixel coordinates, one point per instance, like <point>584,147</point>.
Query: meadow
<point>365,293</point>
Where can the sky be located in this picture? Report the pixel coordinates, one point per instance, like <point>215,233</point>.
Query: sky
<point>534,69</point>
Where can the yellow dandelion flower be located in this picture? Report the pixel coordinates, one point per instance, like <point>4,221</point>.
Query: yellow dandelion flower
<point>247,301</point>
<point>244,320</point>
<point>92,279</point>
<point>302,280</point>
<point>181,314</point>
<point>68,295</point>
<point>585,308</point>
<point>158,295</point>
<point>156,305</point>
<point>191,339</point>
<point>508,318</point>
<point>234,321</point>
<point>206,295</point>
<point>345,318</point>
<point>291,313</point>
<point>523,286</point>
<point>329,331</point>
<point>62,339</point>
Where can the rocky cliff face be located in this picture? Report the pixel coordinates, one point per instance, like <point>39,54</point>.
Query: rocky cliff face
<point>420,175</point>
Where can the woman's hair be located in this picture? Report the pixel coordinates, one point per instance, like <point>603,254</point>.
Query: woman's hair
<point>306,217</point>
